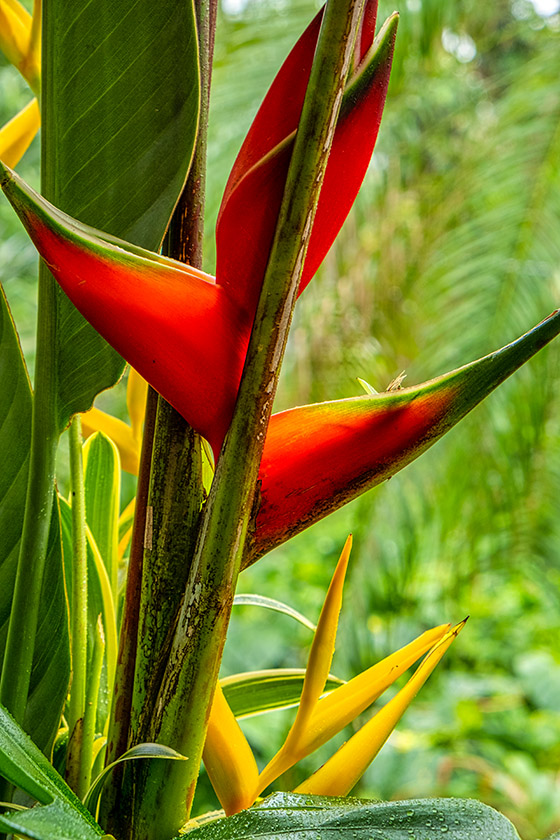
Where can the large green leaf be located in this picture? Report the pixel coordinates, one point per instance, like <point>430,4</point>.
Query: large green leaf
<point>63,816</point>
<point>120,115</point>
<point>51,665</point>
<point>286,815</point>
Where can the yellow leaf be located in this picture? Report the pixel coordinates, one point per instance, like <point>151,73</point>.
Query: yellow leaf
<point>341,706</point>
<point>15,31</point>
<point>136,392</point>
<point>20,39</point>
<point>17,134</point>
<point>317,671</point>
<point>322,649</point>
<point>96,420</point>
<point>344,704</point>
<point>340,773</point>
<point>228,758</point>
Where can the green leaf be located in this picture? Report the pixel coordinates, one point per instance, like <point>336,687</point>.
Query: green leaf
<point>99,603</point>
<point>286,815</point>
<point>24,765</point>
<point>102,483</point>
<point>91,800</point>
<point>120,117</point>
<point>51,665</point>
<point>247,599</point>
<point>255,692</point>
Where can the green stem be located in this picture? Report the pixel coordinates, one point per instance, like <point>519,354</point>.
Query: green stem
<point>176,491</point>
<point>90,711</point>
<point>174,505</point>
<point>115,803</point>
<point>79,614</point>
<point>196,650</point>
<point>124,678</point>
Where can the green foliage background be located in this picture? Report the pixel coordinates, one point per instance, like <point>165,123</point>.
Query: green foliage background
<point>453,250</point>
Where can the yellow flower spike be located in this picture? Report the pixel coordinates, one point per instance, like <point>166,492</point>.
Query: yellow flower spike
<point>126,520</point>
<point>136,392</point>
<point>17,134</point>
<point>20,39</point>
<point>322,650</point>
<point>120,433</point>
<point>345,703</point>
<point>340,773</point>
<point>127,439</point>
<point>228,758</point>
<point>341,706</point>
<point>317,672</point>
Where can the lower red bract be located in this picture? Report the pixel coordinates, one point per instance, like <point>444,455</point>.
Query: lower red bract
<point>319,456</point>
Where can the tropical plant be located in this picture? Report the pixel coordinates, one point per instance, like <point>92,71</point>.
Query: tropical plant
<point>212,347</point>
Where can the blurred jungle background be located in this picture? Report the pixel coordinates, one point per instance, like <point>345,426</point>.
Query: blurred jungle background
<point>453,250</point>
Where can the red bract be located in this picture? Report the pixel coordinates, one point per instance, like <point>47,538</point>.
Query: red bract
<point>253,194</point>
<point>185,332</point>
<point>318,457</point>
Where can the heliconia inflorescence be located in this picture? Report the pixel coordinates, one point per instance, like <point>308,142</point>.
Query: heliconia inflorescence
<point>187,332</point>
<point>229,760</point>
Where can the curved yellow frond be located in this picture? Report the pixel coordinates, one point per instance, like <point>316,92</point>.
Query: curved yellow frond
<point>17,134</point>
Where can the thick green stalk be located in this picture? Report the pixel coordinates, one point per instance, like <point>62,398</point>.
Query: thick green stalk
<point>79,614</point>
<point>186,692</point>
<point>117,742</point>
<point>176,491</point>
<point>173,506</point>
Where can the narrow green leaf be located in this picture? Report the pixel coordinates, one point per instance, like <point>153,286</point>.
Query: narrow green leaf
<point>24,765</point>
<point>247,599</point>
<point>255,692</point>
<point>102,480</point>
<point>91,800</point>
<point>51,664</point>
<point>287,815</point>
<point>99,603</point>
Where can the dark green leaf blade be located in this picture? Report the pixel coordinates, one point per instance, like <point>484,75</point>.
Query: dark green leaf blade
<point>293,817</point>
<point>51,668</point>
<point>120,117</point>
<point>24,765</point>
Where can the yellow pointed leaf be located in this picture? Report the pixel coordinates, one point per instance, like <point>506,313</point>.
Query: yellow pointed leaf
<point>96,420</point>
<point>126,520</point>
<point>317,672</point>
<point>344,704</point>
<point>15,31</point>
<point>340,773</point>
<point>228,758</point>
<point>322,649</point>
<point>17,134</point>
<point>341,706</point>
<point>136,392</point>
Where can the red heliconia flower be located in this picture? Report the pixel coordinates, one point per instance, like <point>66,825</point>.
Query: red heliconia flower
<point>318,457</point>
<point>253,194</point>
<point>187,333</point>
<point>184,331</point>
